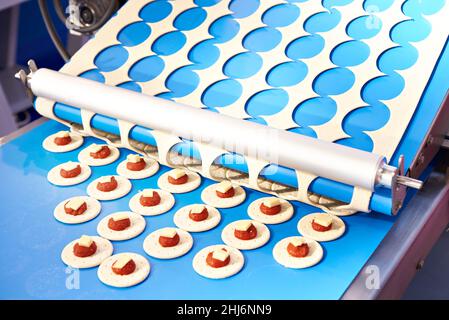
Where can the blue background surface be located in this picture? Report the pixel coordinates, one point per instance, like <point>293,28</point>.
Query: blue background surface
<point>31,240</point>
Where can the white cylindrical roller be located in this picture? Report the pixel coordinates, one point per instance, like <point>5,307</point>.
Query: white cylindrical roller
<point>324,159</point>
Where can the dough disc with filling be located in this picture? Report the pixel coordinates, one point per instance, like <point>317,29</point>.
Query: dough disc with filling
<point>285,214</point>
<point>84,157</point>
<point>263,235</point>
<point>154,249</point>
<point>137,226</point>
<point>282,256</point>
<point>54,175</point>
<point>151,167</point>
<point>50,145</point>
<point>104,250</point>
<point>123,188</point>
<point>183,221</point>
<point>193,183</point>
<point>210,197</point>
<point>167,202</point>
<point>107,276</point>
<point>305,228</point>
<point>235,264</point>
<point>93,209</point>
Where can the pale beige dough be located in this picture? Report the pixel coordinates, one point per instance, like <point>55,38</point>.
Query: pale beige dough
<point>123,188</point>
<point>54,176</point>
<point>154,249</point>
<point>152,166</point>
<point>282,256</point>
<point>305,228</point>
<point>85,158</point>
<point>104,250</point>
<point>263,235</point>
<point>183,221</point>
<point>49,144</point>
<point>107,276</point>
<point>193,183</point>
<point>210,197</point>
<point>285,214</point>
<point>137,226</point>
<point>236,263</point>
<point>167,202</point>
<point>93,209</point>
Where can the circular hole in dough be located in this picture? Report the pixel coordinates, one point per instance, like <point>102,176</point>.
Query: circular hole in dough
<point>183,221</point>
<point>151,167</point>
<point>285,214</point>
<point>104,250</point>
<point>154,249</point>
<point>93,209</point>
<point>282,256</point>
<point>167,202</point>
<point>305,228</point>
<point>123,188</point>
<point>108,277</point>
<point>263,235</point>
<point>210,197</point>
<point>235,264</point>
<point>54,175</point>
<point>85,158</point>
<point>137,226</point>
<point>50,145</point>
<point>193,182</point>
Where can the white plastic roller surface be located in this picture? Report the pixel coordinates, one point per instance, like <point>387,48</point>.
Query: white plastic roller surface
<point>322,158</point>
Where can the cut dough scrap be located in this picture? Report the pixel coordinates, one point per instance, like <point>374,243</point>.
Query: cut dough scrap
<point>236,263</point>
<point>183,221</point>
<point>210,197</point>
<point>341,211</point>
<point>193,182</point>
<point>285,214</point>
<point>50,145</point>
<point>154,249</point>
<point>54,175</point>
<point>85,158</point>
<point>282,256</point>
<point>263,235</point>
<point>93,209</point>
<point>305,228</point>
<point>152,166</point>
<point>167,202</point>
<point>137,226</point>
<point>123,188</point>
<point>108,277</point>
<point>104,250</point>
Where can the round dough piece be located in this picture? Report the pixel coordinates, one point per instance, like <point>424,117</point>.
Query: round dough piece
<point>123,188</point>
<point>285,214</point>
<point>84,157</point>
<point>183,221</point>
<point>108,277</point>
<point>93,209</point>
<point>282,256</point>
<point>305,228</point>
<point>50,145</point>
<point>137,226</point>
<point>263,235</point>
<point>151,167</point>
<point>167,202</point>
<point>154,249</point>
<point>235,264</point>
<point>54,175</point>
<point>104,250</point>
<point>193,183</point>
<point>210,197</point>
